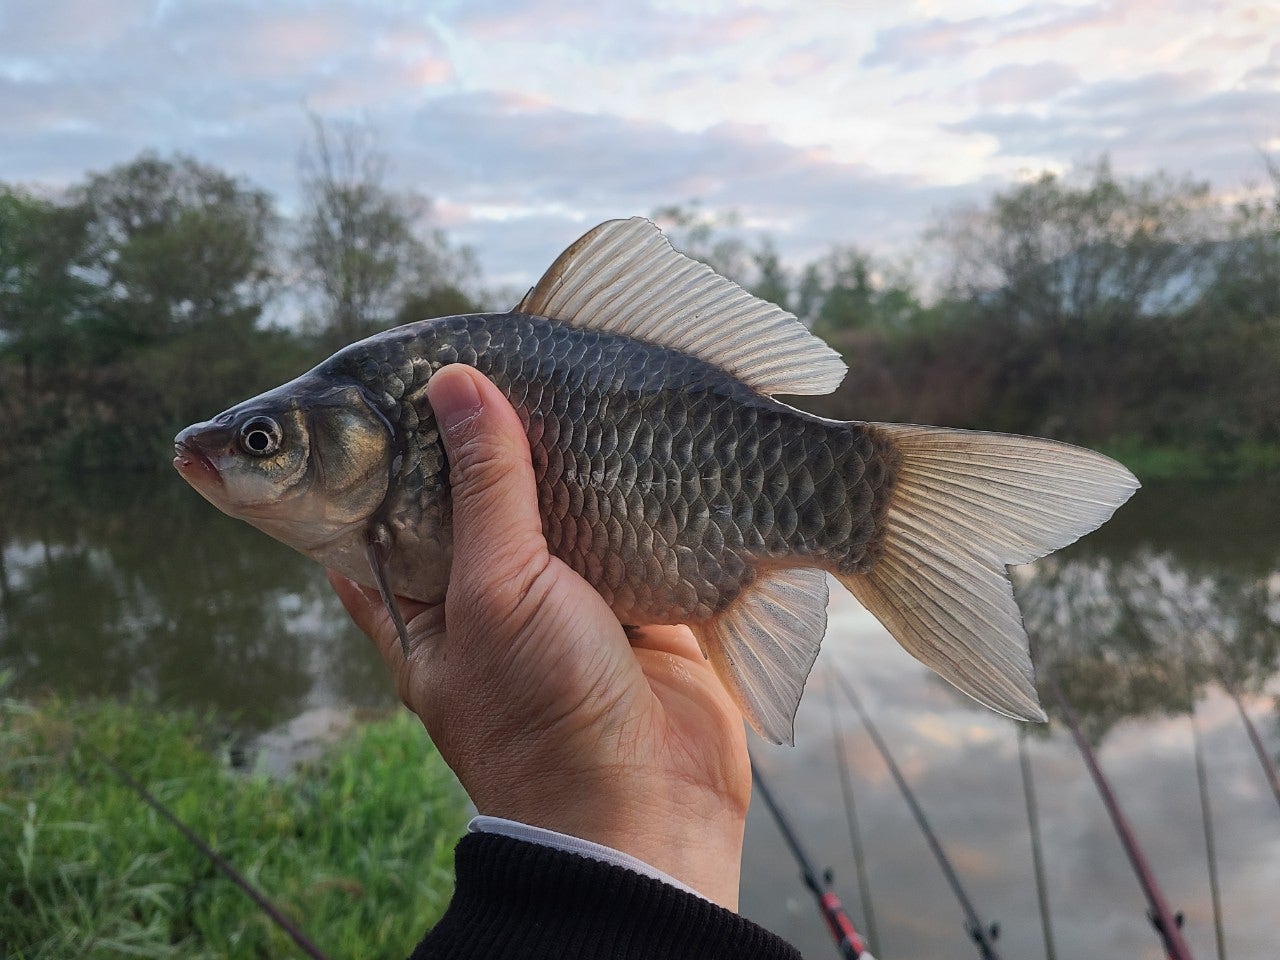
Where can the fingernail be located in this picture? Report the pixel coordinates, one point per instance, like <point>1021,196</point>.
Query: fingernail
<point>454,398</point>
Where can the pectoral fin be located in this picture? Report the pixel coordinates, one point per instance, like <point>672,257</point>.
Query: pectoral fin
<point>377,546</point>
<point>764,646</point>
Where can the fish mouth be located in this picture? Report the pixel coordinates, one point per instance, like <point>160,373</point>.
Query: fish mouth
<point>194,466</point>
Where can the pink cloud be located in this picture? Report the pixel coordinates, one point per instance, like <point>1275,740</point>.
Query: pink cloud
<point>1023,83</point>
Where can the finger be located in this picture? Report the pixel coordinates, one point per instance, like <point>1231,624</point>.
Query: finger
<point>498,546</point>
<point>674,639</point>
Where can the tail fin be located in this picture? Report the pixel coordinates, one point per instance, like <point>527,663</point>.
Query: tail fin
<point>966,504</point>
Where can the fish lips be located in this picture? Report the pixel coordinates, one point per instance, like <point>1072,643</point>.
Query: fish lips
<point>190,458</point>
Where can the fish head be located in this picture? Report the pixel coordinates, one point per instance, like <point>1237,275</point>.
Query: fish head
<point>308,463</point>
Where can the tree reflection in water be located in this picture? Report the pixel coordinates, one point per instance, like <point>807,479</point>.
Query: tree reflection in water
<point>144,588</point>
<point>1133,637</point>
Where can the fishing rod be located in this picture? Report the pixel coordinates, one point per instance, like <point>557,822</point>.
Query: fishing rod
<point>259,898</point>
<point>1206,816</point>
<point>1037,852</point>
<point>851,816</point>
<point>1167,924</point>
<point>1214,653</point>
<point>846,937</point>
<point>982,934</point>
<point>1259,747</point>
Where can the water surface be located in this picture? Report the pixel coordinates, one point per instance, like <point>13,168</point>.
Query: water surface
<point>139,586</point>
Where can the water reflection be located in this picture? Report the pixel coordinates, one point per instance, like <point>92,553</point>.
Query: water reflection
<point>1136,621</point>
<point>1140,621</point>
<point>144,587</point>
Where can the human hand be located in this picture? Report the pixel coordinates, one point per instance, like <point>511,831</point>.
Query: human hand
<point>533,694</point>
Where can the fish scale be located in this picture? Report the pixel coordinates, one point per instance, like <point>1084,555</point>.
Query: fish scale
<point>664,482</point>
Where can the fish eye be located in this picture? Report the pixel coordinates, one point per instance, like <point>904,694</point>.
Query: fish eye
<point>260,436</point>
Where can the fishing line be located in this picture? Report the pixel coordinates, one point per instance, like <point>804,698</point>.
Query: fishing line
<point>841,927</point>
<point>982,934</point>
<point>267,907</point>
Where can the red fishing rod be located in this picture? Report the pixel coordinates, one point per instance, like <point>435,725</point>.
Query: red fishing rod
<point>846,937</point>
<point>982,934</point>
<point>1168,925</point>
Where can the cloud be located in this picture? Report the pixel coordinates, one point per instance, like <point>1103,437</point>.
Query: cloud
<point>530,177</point>
<point>62,29</point>
<point>1267,75</point>
<point>1172,121</point>
<point>1022,83</point>
<point>636,31</point>
<point>528,119</point>
<point>915,45</point>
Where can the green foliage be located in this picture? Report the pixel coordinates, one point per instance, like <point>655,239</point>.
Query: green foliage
<point>174,245</point>
<point>848,290</point>
<point>709,237</point>
<point>1138,315</point>
<point>445,300</point>
<point>42,295</point>
<point>1089,307</point>
<point>141,293</point>
<point>356,848</point>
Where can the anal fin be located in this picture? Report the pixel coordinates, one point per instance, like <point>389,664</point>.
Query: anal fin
<point>764,646</point>
<point>376,546</point>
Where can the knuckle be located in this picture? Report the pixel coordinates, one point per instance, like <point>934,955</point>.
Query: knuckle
<point>483,469</point>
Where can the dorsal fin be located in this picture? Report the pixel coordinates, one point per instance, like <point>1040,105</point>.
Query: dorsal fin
<point>625,277</point>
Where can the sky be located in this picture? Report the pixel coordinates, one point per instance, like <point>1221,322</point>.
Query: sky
<point>818,123</point>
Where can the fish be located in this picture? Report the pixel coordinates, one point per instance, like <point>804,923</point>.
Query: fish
<point>670,477</point>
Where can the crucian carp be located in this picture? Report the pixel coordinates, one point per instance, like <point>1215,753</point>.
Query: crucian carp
<point>669,477</point>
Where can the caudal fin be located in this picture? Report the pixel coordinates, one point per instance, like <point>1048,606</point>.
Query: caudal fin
<point>965,505</point>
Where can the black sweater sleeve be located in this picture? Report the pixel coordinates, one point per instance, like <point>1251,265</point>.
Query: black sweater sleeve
<point>516,899</point>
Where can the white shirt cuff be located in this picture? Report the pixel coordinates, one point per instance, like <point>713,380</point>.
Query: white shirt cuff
<point>584,848</point>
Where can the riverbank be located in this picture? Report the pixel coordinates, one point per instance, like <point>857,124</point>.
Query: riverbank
<point>355,846</point>
<point>1234,464</point>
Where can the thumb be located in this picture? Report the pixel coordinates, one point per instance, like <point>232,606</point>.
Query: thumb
<point>498,544</point>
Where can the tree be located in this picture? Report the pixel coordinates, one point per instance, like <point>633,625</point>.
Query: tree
<point>42,246</point>
<point>175,245</point>
<point>1078,271</point>
<point>712,238</point>
<point>365,249</point>
<point>847,290</point>
<point>1055,252</point>
<point>1239,323</point>
<point>1248,276</point>
<point>442,301</point>
<point>772,280</point>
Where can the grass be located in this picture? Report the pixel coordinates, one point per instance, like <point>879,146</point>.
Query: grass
<point>357,848</point>
<point>1245,461</point>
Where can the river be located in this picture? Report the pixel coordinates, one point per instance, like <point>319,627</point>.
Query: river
<point>139,586</point>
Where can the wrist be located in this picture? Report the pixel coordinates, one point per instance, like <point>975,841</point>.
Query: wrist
<point>514,830</point>
<point>692,839</point>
